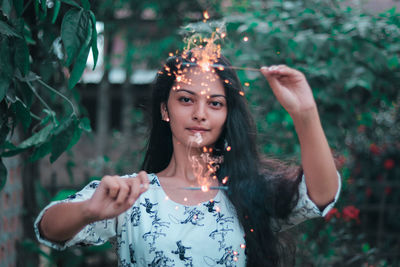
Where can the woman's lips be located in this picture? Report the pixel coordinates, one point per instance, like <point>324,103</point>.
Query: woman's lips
<point>197,130</point>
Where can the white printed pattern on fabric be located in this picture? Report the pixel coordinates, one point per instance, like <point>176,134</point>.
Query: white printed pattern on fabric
<point>156,231</point>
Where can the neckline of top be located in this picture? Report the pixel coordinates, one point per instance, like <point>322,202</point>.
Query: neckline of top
<point>165,196</point>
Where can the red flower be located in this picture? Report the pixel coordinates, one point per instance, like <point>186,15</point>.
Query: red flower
<point>388,190</point>
<point>351,213</point>
<point>388,164</point>
<point>374,149</point>
<point>361,128</point>
<point>333,212</point>
<point>368,192</point>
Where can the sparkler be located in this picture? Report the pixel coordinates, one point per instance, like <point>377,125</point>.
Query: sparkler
<point>222,67</point>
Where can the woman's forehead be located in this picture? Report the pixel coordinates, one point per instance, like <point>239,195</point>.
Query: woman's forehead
<point>199,81</point>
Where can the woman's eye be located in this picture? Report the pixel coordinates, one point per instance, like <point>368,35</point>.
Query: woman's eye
<point>184,99</point>
<point>216,104</point>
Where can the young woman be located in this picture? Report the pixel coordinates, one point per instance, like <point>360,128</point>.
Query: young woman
<point>202,135</point>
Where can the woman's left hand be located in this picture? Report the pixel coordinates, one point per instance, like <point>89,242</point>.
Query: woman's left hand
<point>290,88</point>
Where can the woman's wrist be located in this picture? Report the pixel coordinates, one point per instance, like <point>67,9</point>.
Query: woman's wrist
<point>88,214</point>
<point>305,118</point>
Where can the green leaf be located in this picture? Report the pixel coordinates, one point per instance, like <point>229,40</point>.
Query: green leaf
<point>50,116</point>
<point>3,174</point>
<point>6,7</point>
<point>79,67</point>
<point>75,137</point>
<point>31,246</point>
<point>63,194</point>
<point>22,113</point>
<point>62,137</point>
<point>40,151</point>
<point>36,139</point>
<point>365,247</point>
<point>6,64</point>
<point>56,10</point>
<point>4,84</point>
<point>21,56</point>
<point>43,7</point>
<point>95,51</point>
<point>72,3</point>
<point>19,6</point>
<point>74,32</point>
<point>84,124</point>
<point>85,4</point>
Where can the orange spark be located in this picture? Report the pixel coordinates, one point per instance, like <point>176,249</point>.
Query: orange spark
<point>204,149</point>
<point>246,84</point>
<point>225,180</point>
<point>251,230</point>
<point>228,148</point>
<point>170,54</point>
<point>241,93</point>
<point>217,209</point>
<point>204,188</point>
<point>245,38</point>
<point>243,246</point>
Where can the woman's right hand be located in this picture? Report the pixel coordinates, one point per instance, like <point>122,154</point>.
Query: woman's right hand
<point>114,195</point>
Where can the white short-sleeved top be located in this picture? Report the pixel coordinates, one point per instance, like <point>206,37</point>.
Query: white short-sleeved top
<point>157,231</point>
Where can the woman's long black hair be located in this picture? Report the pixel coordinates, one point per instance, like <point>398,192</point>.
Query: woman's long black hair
<point>262,191</point>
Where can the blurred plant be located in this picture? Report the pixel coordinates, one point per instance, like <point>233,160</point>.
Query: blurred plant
<point>31,59</point>
<point>351,60</point>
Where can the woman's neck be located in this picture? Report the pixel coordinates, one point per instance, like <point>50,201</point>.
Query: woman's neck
<point>186,165</point>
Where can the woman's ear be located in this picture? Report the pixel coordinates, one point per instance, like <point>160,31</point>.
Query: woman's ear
<point>164,112</point>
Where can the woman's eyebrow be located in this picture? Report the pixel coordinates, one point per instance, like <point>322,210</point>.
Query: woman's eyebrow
<point>211,96</point>
<point>185,90</point>
<point>193,93</point>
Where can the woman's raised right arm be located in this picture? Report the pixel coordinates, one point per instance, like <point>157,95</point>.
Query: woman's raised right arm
<point>113,196</point>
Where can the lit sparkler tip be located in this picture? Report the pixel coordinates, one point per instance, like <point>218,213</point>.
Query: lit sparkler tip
<point>170,54</point>
<point>246,84</point>
<point>225,180</point>
<point>245,38</point>
<point>205,188</point>
<point>206,15</point>
<point>228,148</point>
<point>241,93</point>
<point>243,246</point>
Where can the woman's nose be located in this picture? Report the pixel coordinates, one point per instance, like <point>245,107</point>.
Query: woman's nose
<point>199,112</point>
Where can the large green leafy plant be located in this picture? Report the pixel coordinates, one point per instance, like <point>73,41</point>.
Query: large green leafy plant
<point>31,59</point>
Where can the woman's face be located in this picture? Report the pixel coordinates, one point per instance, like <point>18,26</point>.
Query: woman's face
<point>196,108</point>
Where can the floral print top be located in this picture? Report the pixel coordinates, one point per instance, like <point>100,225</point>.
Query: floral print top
<point>157,231</point>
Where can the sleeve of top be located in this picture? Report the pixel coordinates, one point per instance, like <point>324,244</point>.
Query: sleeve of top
<point>306,208</point>
<point>95,233</point>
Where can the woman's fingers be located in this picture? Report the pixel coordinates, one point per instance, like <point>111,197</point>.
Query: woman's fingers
<point>139,184</point>
<point>144,181</point>
<point>111,187</point>
<point>123,192</point>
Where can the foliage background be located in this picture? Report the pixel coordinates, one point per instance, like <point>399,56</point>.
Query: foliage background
<point>350,58</point>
